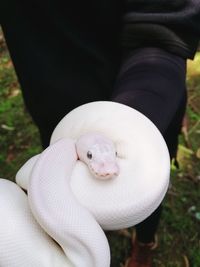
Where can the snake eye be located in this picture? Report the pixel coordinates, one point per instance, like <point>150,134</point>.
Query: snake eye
<point>89,155</point>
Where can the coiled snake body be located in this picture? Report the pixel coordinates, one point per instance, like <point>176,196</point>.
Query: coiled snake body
<point>68,204</point>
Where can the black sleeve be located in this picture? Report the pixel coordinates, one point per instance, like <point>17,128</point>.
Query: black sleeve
<point>170,24</point>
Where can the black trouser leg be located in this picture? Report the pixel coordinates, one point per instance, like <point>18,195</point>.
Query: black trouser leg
<point>153,82</point>
<point>60,63</point>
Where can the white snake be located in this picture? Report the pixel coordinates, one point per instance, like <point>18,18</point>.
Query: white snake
<point>68,204</point>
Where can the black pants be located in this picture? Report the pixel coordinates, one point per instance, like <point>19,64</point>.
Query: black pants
<point>59,70</point>
<point>153,82</point>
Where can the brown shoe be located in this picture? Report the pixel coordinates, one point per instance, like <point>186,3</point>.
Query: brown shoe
<point>141,254</point>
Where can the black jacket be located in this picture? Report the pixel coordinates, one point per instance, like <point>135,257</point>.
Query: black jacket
<point>171,24</point>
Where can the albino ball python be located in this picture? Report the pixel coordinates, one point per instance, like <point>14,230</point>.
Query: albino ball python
<point>69,205</point>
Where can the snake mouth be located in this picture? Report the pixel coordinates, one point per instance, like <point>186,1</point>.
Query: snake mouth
<point>103,175</point>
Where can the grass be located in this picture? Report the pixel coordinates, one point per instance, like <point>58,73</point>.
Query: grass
<point>179,230</point>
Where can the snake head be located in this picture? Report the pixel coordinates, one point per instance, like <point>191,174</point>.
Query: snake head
<point>102,161</point>
<point>99,154</point>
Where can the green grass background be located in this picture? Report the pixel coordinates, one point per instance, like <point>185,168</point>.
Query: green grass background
<point>179,230</point>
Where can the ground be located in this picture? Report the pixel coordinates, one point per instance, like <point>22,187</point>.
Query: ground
<point>179,230</point>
